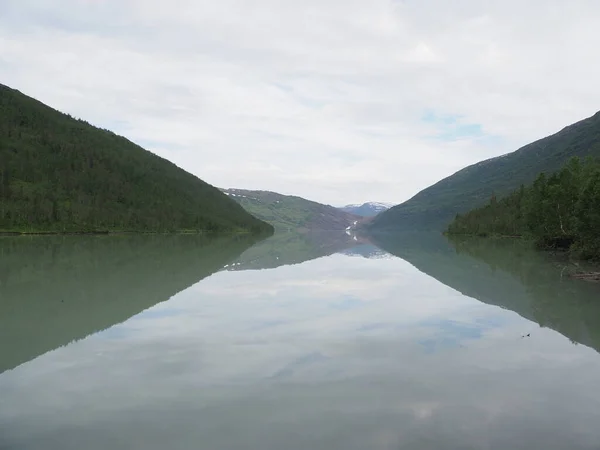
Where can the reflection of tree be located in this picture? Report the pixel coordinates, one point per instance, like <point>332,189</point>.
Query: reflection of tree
<point>567,306</point>
<point>54,290</point>
<point>510,274</point>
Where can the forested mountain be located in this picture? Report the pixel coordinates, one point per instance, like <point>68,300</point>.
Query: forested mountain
<point>62,174</point>
<point>369,209</point>
<point>434,207</point>
<point>288,212</point>
<point>557,210</point>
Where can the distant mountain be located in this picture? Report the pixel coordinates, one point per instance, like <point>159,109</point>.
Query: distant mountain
<point>435,207</point>
<point>369,209</point>
<point>287,212</point>
<point>62,174</point>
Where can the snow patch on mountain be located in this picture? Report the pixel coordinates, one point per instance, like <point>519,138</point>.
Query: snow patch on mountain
<point>368,209</point>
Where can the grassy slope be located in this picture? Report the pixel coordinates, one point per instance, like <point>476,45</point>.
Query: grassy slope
<point>436,206</point>
<point>62,174</point>
<point>289,212</point>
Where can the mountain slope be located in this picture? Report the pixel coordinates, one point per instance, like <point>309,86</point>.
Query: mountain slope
<point>369,209</point>
<point>287,212</point>
<point>62,174</point>
<point>436,206</point>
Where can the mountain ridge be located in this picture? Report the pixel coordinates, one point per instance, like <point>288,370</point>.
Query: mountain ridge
<point>60,174</point>
<point>290,212</point>
<point>435,206</point>
<point>367,209</point>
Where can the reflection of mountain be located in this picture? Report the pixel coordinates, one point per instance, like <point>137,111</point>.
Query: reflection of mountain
<point>54,290</point>
<point>368,251</point>
<point>283,249</point>
<point>509,274</point>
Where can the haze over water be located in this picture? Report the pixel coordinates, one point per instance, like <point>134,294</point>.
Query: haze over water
<point>295,342</point>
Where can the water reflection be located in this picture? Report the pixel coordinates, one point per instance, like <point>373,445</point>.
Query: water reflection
<point>54,290</point>
<point>288,248</point>
<point>510,274</point>
<point>337,352</point>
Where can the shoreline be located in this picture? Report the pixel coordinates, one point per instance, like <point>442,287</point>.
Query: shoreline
<point>587,275</point>
<point>5,233</point>
<point>52,233</point>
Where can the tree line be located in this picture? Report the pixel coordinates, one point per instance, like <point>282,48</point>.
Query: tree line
<point>560,210</point>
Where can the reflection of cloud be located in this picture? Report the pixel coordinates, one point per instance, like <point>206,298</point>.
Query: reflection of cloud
<point>244,349</point>
<point>270,324</point>
<point>376,326</point>
<point>438,344</point>
<point>454,328</point>
<point>115,332</point>
<point>158,312</point>
<point>452,334</point>
<point>348,303</point>
<point>299,363</point>
<point>424,410</point>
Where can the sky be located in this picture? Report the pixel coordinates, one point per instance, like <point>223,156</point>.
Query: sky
<point>336,101</point>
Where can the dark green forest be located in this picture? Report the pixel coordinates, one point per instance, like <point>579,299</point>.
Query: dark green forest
<point>560,210</point>
<point>434,208</point>
<point>60,174</point>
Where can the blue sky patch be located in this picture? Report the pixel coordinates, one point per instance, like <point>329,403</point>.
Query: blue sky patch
<point>452,127</point>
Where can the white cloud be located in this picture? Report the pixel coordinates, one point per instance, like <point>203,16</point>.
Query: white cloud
<point>323,99</point>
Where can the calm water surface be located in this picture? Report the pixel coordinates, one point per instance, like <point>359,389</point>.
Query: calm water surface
<point>297,342</point>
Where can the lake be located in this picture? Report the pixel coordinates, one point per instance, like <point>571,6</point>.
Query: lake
<point>294,342</point>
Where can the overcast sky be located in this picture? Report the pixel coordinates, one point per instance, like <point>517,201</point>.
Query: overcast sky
<point>339,101</point>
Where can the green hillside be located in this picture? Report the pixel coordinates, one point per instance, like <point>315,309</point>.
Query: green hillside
<point>62,174</point>
<point>434,207</point>
<point>560,210</point>
<point>287,212</point>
